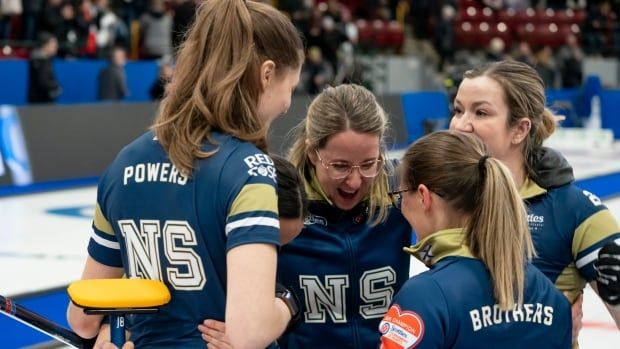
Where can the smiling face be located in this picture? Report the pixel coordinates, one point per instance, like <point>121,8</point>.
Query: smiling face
<point>480,108</point>
<point>346,148</point>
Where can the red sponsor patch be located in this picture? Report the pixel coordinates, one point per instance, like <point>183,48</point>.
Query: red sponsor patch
<point>401,329</point>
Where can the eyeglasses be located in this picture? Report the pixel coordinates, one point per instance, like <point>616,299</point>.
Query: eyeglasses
<point>397,197</point>
<point>340,170</point>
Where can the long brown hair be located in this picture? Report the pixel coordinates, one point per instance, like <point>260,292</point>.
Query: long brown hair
<point>216,85</point>
<point>455,165</point>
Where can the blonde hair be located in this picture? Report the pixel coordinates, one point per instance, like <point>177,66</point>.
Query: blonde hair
<point>335,110</point>
<point>455,166</point>
<point>216,85</point>
<point>524,94</point>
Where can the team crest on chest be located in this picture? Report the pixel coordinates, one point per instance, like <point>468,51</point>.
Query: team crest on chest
<point>401,329</point>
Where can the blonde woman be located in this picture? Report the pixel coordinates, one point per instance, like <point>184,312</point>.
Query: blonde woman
<point>472,230</point>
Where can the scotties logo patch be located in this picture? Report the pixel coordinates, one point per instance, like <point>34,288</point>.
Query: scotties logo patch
<point>260,165</point>
<point>401,329</point>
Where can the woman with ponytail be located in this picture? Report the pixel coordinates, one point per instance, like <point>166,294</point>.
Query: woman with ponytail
<point>503,103</point>
<point>471,225</point>
<point>193,201</point>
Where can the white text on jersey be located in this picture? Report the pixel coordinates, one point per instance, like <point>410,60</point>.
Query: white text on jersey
<point>164,172</point>
<point>492,315</point>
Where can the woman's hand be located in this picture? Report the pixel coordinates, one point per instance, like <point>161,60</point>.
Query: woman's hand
<point>103,339</point>
<point>214,333</point>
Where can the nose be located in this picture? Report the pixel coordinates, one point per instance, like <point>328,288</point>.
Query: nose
<point>462,124</point>
<point>354,179</point>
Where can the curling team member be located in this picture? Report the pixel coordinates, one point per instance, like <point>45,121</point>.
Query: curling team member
<point>473,234</point>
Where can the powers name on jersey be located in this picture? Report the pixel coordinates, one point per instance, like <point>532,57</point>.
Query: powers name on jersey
<point>163,172</point>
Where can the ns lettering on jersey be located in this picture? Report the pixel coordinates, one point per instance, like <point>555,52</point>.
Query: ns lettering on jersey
<point>260,165</point>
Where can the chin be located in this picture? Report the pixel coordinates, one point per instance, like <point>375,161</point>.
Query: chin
<point>345,204</point>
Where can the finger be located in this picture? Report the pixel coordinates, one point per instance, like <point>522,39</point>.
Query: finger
<point>213,342</point>
<point>216,325</point>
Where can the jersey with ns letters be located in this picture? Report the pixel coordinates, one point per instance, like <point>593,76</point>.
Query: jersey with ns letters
<point>158,224</point>
<point>345,273</point>
<point>452,305</point>
<point>569,226</point>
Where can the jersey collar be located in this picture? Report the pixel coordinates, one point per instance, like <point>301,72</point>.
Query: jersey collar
<point>530,189</point>
<point>444,243</point>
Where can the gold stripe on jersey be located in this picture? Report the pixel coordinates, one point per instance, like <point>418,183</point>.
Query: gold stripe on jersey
<point>255,197</point>
<point>594,229</point>
<point>529,189</point>
<point>570,282</point>
<point>101,222</point>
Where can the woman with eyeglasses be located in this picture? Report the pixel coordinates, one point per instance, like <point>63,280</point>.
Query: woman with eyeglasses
<point>472,232</point>
<point>347,263</point>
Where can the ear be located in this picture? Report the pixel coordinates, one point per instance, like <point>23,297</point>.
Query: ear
<point>426,199</point>
<point>267,72</point>
<point>521,130</point>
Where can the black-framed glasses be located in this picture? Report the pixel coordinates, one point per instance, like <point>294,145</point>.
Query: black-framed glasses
<point>341,170</point>
<point>397,197</point>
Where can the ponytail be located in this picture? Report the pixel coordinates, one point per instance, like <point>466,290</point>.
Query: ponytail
<point>481,188</point>
<point>498,232</point>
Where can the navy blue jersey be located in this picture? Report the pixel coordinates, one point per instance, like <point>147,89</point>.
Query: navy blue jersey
<point>452,305</point>
<point>345,273</point>
<point>158,224</point>
<point>569,226</point>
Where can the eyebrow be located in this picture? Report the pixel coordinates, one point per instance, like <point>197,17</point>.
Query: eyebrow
<point>474,104</point>
<point>362,162</point>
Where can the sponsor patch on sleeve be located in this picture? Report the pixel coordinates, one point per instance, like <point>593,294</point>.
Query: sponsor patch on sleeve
<point>401,329</point>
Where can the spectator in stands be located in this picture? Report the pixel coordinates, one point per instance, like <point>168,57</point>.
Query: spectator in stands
<point>333,37</point>
<point>421,11</point>
<point>522,52</point>
<point>495,50</point>
<point>32,11</point>
<point>68,31</point>
<point>52,20</point>
<point>9,9</point>
<point>545,67</point>
<point>599,29</point>
<point>317,72</point>
<point>570,63</point>
<point>43,86</point>
<point>86,22</point>
<point>166,69</point>
<point>444,36</point>
<point>112,79</point>
<point>156,32</point>
<point>111,30</point>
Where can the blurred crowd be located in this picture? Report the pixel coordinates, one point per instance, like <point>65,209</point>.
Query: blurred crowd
<point>552,35</point>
